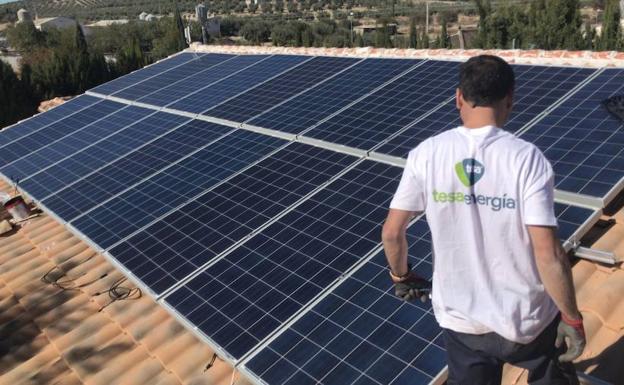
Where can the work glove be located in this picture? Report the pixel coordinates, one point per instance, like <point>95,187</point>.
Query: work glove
<point>410,286</point>
<point>573,333</point>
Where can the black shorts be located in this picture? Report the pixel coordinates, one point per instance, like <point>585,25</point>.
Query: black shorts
<point>478,359</point>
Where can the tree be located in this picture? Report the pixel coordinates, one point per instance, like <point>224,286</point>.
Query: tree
<point>256,31</point>
<point>130,58</point>
<point>555,24</point>
<point>179,25</point>
<point>589,35</point>
<point>382,36</point>
<point>611,35</point>
<point>424,39</point>
<point>413,34</point>
<point>15,103</point>
<point>24,36</point>
<point>358,41</point>
<point>443,39</point>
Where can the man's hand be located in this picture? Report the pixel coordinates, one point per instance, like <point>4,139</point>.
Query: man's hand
<point>411,286</point>
<point>572,332</point>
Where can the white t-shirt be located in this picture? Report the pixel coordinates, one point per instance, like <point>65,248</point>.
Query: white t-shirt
<point>479,189</point>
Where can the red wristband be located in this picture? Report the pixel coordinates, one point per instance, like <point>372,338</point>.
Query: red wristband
<point>571,322</point>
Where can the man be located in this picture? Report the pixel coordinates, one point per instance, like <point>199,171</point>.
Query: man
<point>502,284</point>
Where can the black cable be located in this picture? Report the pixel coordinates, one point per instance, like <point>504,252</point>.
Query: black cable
<point>64,285</point>
<point>211,363</point>
<point>119,293</point>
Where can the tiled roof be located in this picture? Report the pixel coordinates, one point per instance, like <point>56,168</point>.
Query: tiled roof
<point>599,290</point>
<point>66,333</point>
<point>566,58</point>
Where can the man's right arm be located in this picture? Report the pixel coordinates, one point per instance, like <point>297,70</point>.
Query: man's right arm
<point>556,274</point>
<point>554,269</point>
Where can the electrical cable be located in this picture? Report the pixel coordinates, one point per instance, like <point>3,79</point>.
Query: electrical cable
<point>67,283</point>
<point>119,293</point>
<point>211,363</point>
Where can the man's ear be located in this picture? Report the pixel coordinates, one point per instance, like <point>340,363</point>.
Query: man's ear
<point>509,100</point>
<point>459,99</point>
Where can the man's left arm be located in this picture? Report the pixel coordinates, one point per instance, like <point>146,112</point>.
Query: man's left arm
<point>395,240</point>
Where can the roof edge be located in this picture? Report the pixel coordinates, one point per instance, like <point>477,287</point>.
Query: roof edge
<point>588,59</point>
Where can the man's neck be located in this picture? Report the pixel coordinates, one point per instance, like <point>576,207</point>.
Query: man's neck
<point>482,116</point>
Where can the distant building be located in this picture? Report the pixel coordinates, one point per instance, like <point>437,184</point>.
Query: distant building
<point>23,15</point>
<point>151,17</point>
<point>47,23</point>
<point>143,15</point>
<point>362,29</point>
<point>89,28</point>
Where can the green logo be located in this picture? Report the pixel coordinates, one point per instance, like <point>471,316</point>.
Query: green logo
<point>469,171</point>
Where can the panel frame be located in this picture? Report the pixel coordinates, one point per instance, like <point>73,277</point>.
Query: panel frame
<point>46,125</point>
<point>197,56</point>
<point>123,107</point>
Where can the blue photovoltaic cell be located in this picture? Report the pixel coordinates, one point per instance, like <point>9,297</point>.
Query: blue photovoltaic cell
<point>54,141</point>
<point>277,90</point>
<point>537,88</point>
<point>570,218</point>
<point>168,78</point>
<point>361,333</point>
<point>242,298</point>
<point>381,114</point>
<point>195,83</point>
<point>174,186</point>
<point>232,86</point>
<point>310,107</point>
<point>118,134</point>
<point>134,167</point>
<point>39,121</point>
<point>145,73</point>
<point>180,243</point>
<point>582,140</point>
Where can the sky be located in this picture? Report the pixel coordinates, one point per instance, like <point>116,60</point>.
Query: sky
<point>7,1</point>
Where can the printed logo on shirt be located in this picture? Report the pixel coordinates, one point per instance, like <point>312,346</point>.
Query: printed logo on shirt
<point>469,171</point>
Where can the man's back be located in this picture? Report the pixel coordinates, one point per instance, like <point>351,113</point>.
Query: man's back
<point>475,183</point>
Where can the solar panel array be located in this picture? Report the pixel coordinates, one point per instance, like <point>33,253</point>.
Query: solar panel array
<point>247,192</point>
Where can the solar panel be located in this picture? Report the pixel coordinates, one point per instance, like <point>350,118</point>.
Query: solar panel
<point>138,205</point>
<point>53,137</point>
<point>246,295</point>
<point>167,78</point>
<point>386,111</point>
<point>39,121</point>
<point>199,81</point>
<point>134,77</point>
<point>184,240</point>
<point>319,102</point>
<point>537,88</point>
<point>232,86</point>
<point>137,165</point>
<point>270,248</point>
<point>572,219</point>
<point>362,333</point>
<point>584,143</point>
<point>281,88</point>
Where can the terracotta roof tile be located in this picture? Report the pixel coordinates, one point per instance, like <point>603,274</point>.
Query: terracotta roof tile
<point>68,334</point>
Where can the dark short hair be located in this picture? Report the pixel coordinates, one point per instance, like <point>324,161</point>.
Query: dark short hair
<point>485,80</point>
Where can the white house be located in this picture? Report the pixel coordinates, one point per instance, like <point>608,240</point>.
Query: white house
<point>47,23</point>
